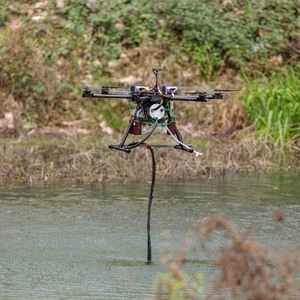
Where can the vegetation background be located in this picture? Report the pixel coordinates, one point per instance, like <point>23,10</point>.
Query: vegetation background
<point>50,48</point>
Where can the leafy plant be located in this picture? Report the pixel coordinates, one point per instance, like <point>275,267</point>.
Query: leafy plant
<point>26,77</point>
<point>273,105</point>
<point>173,282</point>
<point>65,43</point>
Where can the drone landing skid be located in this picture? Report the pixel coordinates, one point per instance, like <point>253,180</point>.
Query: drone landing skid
<point>128,147</point>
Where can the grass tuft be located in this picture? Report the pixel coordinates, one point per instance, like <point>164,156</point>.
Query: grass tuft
<point>273,105</point>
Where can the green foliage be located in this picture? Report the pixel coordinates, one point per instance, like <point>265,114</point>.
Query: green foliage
<point>172,281</point>
<point>3,13</point>
<point>209,36</point>
<point>62,43</point>
<point>26,77</point>
<point>273,104</point>
<point>112,111</point>
<point>175,284</point>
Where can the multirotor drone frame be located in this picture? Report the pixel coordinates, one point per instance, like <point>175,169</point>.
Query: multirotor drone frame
<point>154,107</point>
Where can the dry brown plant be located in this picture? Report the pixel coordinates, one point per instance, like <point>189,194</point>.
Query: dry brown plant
<point>76,158</point>
<point>248,269</point>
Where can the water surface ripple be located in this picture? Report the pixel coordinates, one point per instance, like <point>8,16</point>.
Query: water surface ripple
<point>77,242</point>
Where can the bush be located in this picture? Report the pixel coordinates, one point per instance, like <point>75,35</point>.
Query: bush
<point>210,36</point>
<point>247,269</point>
<point>59,44</point>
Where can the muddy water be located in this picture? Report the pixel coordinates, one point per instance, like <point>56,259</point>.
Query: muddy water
<point>77,242</point>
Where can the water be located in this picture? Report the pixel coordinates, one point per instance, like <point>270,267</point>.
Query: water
<point>77,242</point>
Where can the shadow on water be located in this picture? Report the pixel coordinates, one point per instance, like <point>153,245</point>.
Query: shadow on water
<point>77,242</point>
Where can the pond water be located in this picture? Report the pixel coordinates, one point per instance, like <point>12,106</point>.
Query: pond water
<point>76,242</point>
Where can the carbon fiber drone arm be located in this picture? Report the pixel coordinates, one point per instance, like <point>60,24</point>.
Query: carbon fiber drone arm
<point>200,98</point>
<point>89,94</point>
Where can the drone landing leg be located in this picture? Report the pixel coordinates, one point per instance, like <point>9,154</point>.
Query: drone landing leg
<point>182,146</point>
<point>178,134</point>
<point>121,145</point>
<point>149,250</point>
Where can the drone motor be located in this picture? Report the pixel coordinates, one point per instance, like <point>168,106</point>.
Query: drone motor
<point>169,90</point>
<point>135,89</point>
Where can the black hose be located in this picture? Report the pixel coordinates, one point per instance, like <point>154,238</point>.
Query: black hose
<point>149,250</point>
<point>134,145</point>
<point>159,105</point>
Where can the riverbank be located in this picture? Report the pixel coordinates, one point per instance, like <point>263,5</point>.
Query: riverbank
<point>55,156</point>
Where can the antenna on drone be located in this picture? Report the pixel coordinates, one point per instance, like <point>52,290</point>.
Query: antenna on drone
<point>155,71</point>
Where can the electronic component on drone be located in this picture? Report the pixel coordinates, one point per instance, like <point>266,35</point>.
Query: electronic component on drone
<point>135,89</point>
<point>169,90</point>
<point>156,111</point>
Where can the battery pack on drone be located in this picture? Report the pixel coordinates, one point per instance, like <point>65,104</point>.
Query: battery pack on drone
<point>136,128</point>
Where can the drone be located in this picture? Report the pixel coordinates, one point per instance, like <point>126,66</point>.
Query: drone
<point>154,107</point>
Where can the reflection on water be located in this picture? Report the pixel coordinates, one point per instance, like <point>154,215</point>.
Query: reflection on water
<point>90,243</point>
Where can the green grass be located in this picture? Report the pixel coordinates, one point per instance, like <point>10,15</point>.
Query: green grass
<point>273,105</point>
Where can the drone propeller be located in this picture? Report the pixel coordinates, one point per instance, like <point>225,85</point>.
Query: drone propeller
<point>213,91</point>
<point>99,87</point>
